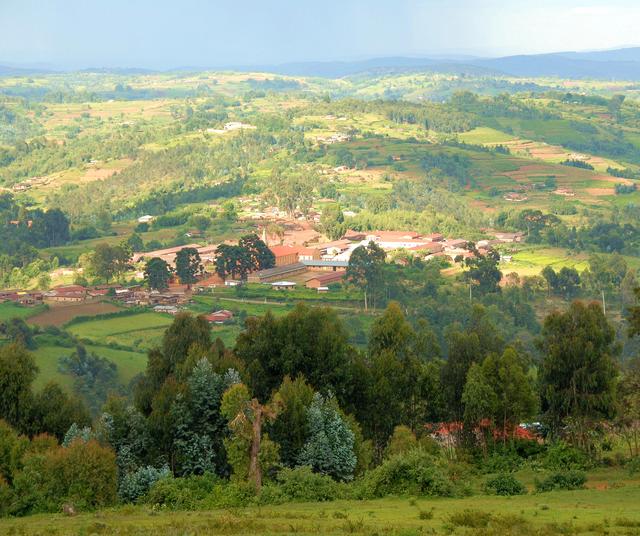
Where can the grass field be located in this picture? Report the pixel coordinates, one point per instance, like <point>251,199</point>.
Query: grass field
<point>11,310</point>
<point>129,364</point>
<point>588,512</point>
<point>137,331</point>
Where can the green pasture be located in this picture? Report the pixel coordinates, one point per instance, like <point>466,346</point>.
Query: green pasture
<point>11,310</point>
<point>584,512</point>
<point>139,331</point>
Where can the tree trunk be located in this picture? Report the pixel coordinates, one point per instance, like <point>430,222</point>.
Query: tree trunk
<point>255,472</point>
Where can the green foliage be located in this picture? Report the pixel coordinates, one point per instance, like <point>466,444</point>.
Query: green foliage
<point>578,374</point>
<point>560,456</point>
<point>329,449</point>
<point>134,486</point>
<point>83,474</point>
<point>181,493</point>
<point>304,485</point>
<point>188,265</point>
<point>414,473</point>
<point>157,274</point>
<point>505,484</point>
<point>567,480</point>
<point>290,428</point>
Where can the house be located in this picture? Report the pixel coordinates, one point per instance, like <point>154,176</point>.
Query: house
<point>434,237</point>
<point>67,293</point>
<point>29,298</point>
<point>319,281</point>
<point>456,243</point>
<point>169,309</point>
<point>428,248</point>
<point>284,255</point>
<point>145,219</point>
<point>283,285</point>
<point>509,237</point>
<point>277,273</point>
<point>328,265</point>
<point>219,317</point>
<point>292,254</point>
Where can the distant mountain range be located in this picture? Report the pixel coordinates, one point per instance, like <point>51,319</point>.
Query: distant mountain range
<point>620,64</point>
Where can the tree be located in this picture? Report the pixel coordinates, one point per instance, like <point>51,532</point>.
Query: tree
<point>54,411</point>
<point>188,266</point>
<point>332,221</point>
<point>479,401</point>
<point>157,274</point>
<point>515,398</point>
<point>17,372</point>
<point>330,447</point>
<point>134,242</point>
<point>260,256</point>
<point>246,416</point>
<point>311,341</point>
<point>108,261</point>
<point>634,316</point>
<point>234,261</point>
<point>289,429</point>
<point>16,330</point>
<point>578,373</point>
<point>365,269</point>
<point>628,414</point>
<point>483,271</point>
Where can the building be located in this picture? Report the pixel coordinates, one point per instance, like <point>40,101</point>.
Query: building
<point>292,254</point>
<point>274,274</point>
<point>145,219</point>
<point>283,285</point>
<point>219,317</point>
<point>67,293</point>
<point>509,237</point>
<point>319,281</point>
<point>328,265</point>
<point>284,255</point>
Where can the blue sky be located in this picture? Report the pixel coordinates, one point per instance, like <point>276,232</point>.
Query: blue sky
<point>199,33</point>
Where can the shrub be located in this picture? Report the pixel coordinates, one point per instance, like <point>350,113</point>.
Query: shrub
<point>562,457</point>
<point>505,484</point>
<point>566,480</point>
<point>136,484</point>
<point>83,474</point>
<point>414,473</point>
<point>181,493</point>
<point>475,519</point>
<point>302,484</point>
<point>633,466</point>
<point>502,462</point>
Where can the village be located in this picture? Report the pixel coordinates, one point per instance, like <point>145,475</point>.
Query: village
<point>301,261</point>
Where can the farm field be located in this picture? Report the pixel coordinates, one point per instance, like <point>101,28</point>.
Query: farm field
<point>59,314</point>
<point>588,512</point>
<point>11,310</point>
<point>139,331</point>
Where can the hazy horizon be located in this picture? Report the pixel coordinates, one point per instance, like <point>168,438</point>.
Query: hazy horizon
<point>71,34</point>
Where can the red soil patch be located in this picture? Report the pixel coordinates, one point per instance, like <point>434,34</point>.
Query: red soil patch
<point>61,313</point>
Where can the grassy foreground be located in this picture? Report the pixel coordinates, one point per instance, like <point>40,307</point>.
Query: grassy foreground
<point>592,511</point>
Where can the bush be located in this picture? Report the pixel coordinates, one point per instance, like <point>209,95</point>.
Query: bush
<point>501,462</point>
<point>562,457</point>
<point>505,484</point>
<point>414,473</point>
<point>302,484</point>
<point>136,485</point>
<point>633,466</point>
<point>567,480</point>
<point>83,474</point>
<point>475,519</point>
<point>181,493</point>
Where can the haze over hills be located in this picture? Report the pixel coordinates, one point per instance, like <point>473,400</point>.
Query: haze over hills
<point>618,64</point>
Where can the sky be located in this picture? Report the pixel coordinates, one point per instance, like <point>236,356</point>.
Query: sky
<point>163,34</point>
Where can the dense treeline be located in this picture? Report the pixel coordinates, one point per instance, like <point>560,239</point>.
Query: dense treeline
<point>293,405</point>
